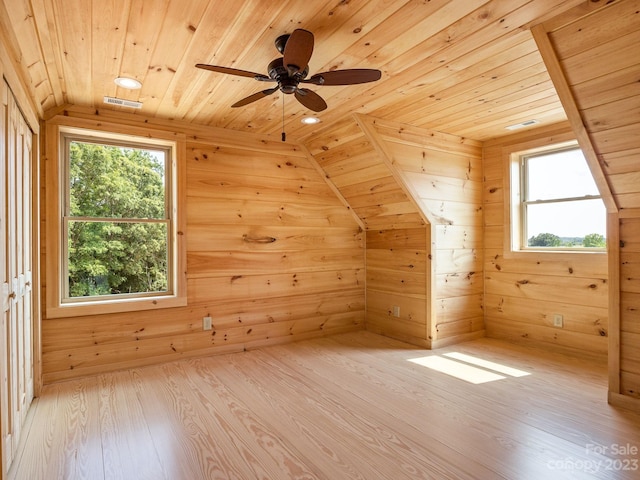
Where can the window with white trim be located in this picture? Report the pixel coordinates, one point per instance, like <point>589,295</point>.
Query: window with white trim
<point>120,244</point>
<point>560,207</point>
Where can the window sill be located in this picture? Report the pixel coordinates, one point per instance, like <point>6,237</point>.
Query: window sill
<point>552,254</point>
<point>114,306</point>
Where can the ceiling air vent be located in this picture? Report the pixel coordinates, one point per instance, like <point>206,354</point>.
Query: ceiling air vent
<point>122,103</point>
<point>528,123</point>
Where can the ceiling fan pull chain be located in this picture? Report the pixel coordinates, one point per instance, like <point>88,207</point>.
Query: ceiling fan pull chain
<point>284,135</point>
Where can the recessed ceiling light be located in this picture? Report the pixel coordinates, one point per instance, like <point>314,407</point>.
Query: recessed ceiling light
<point>310,120</point>
<point>528,123</point>
<point>129,83</point>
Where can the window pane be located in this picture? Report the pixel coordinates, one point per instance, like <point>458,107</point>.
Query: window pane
<point>561,174</point>
<point>107,258</point>
<point>114,182</point>
<point>568,222</point>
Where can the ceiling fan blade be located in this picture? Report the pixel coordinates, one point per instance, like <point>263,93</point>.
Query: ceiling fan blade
<point>298,50</point>
<point>345,77</point>
<point>310,99</point>
<point>254,97</point>
<point>234,71</point>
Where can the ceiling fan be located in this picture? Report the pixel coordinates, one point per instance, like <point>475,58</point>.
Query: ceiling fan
<point>290,70</point>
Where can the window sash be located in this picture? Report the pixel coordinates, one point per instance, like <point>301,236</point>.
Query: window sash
<point>79,138</point>
<point>525,162</point>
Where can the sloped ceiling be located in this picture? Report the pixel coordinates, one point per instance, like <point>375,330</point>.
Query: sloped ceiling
<point>599,57</point>
<point>465,67</point>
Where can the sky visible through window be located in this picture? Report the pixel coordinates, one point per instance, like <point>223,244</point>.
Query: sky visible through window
<point>561,175</point>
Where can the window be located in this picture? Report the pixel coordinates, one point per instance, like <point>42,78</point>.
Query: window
<point>560,207</point>
<point>119,246</point>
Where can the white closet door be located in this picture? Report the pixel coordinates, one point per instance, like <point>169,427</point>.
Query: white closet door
<point>17,305</point>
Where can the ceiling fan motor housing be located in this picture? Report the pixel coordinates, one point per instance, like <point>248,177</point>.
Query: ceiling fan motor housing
<point>288,84</point>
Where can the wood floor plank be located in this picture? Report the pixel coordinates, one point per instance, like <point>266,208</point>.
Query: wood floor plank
<point>347,406</point>
<point>64,437</point>
<point>250,434</point>
<point>378,450</point>
<point>389,445</point>
<point>186,448</point>
<point>470,436</point>
<point>580,392</point>
<point>563,399</point>
<point>276,405</point>
<point>127,443</point>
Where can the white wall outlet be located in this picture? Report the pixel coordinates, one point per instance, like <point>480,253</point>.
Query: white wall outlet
<point>396,311</point>
<point>206,323</point>
<point>558,320</point>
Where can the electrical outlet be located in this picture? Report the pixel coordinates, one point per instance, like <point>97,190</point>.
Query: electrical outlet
<point>206,323</point>
<point>558,320</point>
<point>396,311</point>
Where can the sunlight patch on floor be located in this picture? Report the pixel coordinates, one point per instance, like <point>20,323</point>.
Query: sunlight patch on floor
<point>497,367</point>
<point>468,368</point>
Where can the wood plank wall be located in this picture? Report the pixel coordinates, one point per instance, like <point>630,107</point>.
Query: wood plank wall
<point>599,57</point>
<point>418,192</point>
<point>308,282</point>
<point>444,174</point>
<point>524,290</point>
<point>398,240</point>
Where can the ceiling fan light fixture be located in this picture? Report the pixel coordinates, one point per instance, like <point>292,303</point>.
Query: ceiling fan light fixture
<point>310,120</point>
<point>128,83</point>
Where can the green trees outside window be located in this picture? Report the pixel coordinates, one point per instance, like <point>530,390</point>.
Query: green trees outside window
<point>116,220</point>
<point>591,240</point>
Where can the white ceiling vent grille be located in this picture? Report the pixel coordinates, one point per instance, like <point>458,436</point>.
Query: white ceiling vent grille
<point>121,102</point>
<point>528,123</point>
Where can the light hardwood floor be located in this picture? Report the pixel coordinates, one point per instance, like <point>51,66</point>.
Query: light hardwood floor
<point>340,407</point>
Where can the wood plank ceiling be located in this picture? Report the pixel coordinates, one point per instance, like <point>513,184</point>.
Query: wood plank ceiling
<point>465,67</point>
